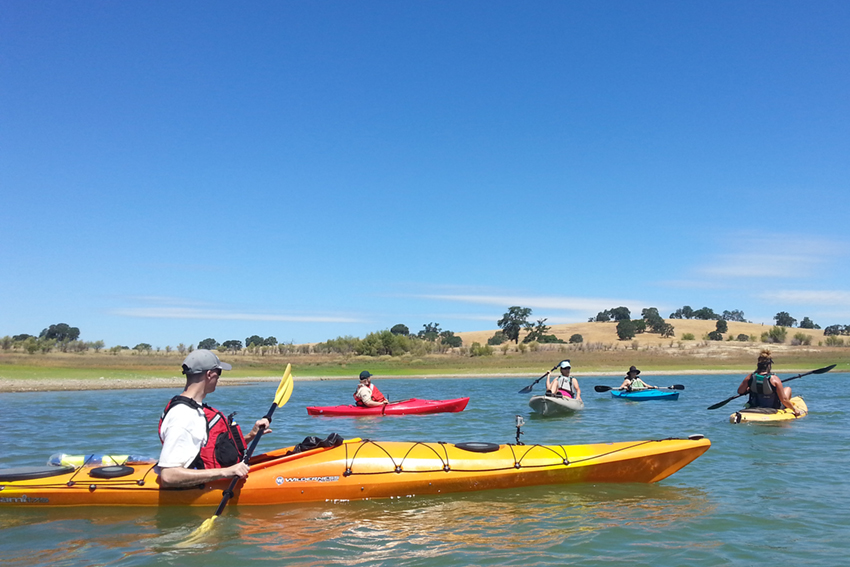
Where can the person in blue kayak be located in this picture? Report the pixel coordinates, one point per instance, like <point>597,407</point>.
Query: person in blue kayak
<point>631,383</point>
<point>765,387</point>
<point>367,394</point>
<point>199,443</point>
<point>564,385</point>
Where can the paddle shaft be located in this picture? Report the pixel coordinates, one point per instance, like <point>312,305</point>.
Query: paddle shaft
<point>608,388</point>
<point>818,371</point>
<point>527,389</point>
<point>229,492</point>
<point>384,408</point>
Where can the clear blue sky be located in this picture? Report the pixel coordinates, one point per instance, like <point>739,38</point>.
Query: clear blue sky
<point>172,171</point>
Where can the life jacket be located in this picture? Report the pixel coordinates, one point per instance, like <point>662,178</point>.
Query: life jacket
<point>377,396</point>
<point>637,384</point>
<point>569,385</point>
<point>762,393</point>
<point>225,444</point>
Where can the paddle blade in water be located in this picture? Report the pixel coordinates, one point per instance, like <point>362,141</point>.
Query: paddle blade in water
<point>199,534</point>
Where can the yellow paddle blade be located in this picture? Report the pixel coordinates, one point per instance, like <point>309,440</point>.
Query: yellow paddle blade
<point>199,534</point>
<point>285,388</point>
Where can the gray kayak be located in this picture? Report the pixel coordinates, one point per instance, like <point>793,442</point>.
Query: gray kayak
<point>554,405</point>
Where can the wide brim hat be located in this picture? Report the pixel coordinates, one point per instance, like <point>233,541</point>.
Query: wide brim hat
<point>633,369</point>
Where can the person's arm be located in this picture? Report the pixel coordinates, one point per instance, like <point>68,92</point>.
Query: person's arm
<point>783,394</point>
<point>256,429</point>
<point>745,386</point>
<point>578,390</point>
<point>549,381</point>
<point>625,384</point>
<point>365,396</point>
<point>172,477</point>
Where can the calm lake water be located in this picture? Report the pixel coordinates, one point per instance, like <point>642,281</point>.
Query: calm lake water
<point>763,494</point>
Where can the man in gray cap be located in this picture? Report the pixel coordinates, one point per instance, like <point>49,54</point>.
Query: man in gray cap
<point>367,394</point>
<point>200,444</point>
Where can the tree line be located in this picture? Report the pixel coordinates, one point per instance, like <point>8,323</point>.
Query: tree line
<point>432,339</point>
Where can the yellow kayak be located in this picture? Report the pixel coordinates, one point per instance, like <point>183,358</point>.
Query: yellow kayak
<point>763,415</point>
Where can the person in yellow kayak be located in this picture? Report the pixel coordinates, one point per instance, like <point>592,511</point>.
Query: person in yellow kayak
<point>765,387</point>
<point>367,394</point>
<point>564,385</point>
<point>632,383</point>
<point>199,443</point>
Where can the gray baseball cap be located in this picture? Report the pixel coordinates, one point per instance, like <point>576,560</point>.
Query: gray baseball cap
<point>202,360</point>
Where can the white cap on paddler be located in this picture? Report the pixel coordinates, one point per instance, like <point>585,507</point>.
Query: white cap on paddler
<point>201,360</point>
<point>564,364</point>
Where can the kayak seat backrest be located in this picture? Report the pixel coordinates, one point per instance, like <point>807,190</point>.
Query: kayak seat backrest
<point>30,473</point>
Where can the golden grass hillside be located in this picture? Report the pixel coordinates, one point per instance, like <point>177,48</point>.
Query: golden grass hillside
<point>601,352</point>
<point>606,333</point>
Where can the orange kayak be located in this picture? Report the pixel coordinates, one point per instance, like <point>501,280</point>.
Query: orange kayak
<point>358,470</point>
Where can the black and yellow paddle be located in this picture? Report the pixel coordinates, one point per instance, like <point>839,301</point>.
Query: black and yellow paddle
<point>818,371</point>
<point>527,389</point>
<point>673,387</point>
<point>284,391</point>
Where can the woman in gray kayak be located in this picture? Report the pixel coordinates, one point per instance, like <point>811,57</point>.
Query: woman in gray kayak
<point>564,385</point>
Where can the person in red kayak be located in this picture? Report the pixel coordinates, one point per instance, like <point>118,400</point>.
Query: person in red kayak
<point>367,394</point>
<point>564,385</point>
<point>765,387</point>
<point>200,444</point>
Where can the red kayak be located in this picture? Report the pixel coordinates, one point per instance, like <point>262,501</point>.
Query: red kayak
<point>404,407</point>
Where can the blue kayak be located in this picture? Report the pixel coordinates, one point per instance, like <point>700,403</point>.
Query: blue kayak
<point>643,395</point>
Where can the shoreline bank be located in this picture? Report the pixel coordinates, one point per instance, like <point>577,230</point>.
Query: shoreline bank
<point>11,386</point>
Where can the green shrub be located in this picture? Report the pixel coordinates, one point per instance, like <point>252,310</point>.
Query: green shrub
<point>498,338</point>
<point>801,339</point>
<point>775,335</point>
<point>715,336</point>
<point>477,350</point>
<point>743,338</point>
<point>575,339</point>
<point>626,329</point>
<point>688,337</point>
<point>832,340</point>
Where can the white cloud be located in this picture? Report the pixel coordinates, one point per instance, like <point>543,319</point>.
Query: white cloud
<point>220,315</point>
<point>542,302</point>
<point>833,298</point>
<point>762,256</point>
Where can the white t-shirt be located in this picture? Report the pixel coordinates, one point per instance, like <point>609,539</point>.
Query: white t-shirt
<point>364,392</point>
<point>183,433</point>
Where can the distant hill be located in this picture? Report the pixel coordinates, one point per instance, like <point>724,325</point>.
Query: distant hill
<point>607,332</point>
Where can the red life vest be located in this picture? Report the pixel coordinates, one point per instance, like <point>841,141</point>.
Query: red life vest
<point>225,445</point>
<point>377,396</point>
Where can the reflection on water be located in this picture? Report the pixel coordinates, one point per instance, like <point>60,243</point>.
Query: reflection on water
<point>480,525</point>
